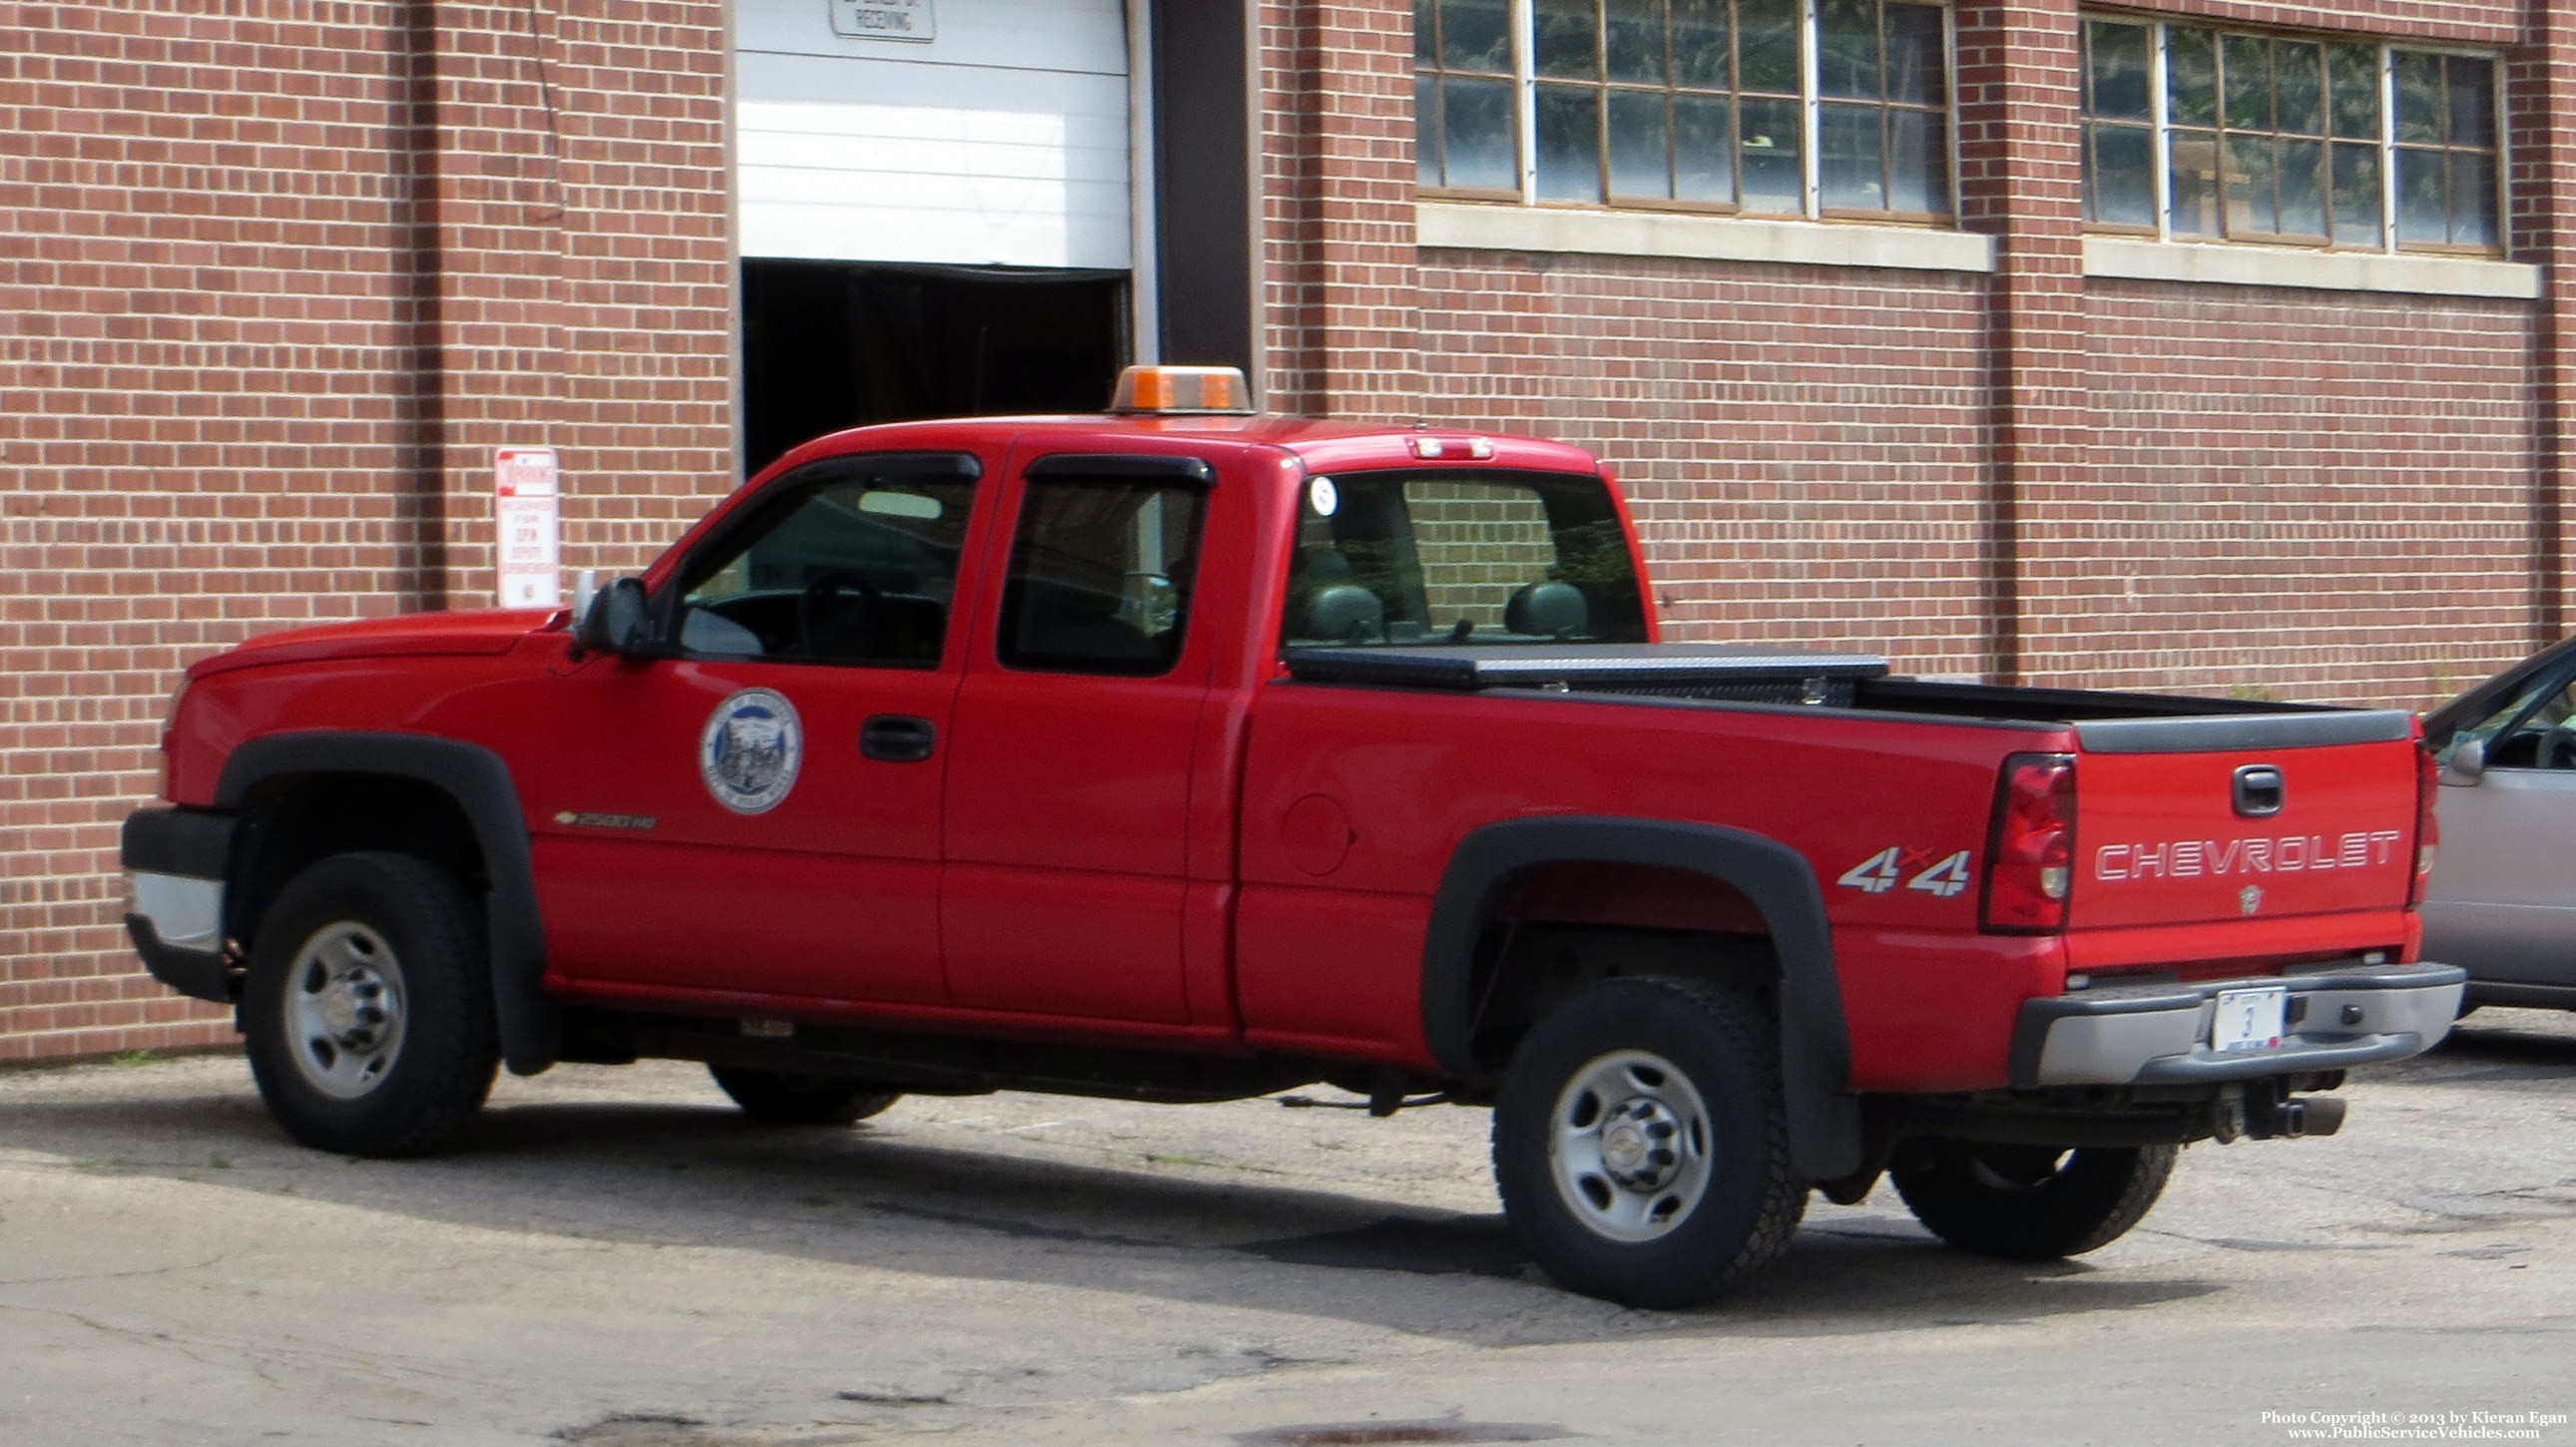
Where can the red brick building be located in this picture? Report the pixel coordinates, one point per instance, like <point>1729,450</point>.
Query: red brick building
<point>2204,345</point>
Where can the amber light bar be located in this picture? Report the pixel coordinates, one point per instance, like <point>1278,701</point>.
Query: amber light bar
<point>1182,389</point>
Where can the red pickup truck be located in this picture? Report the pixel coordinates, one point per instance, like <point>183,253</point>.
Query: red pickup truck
<point>1189,755</point>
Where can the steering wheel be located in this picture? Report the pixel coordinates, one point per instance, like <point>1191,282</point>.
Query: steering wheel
<point>823,618</point>
<point>2558,748</point>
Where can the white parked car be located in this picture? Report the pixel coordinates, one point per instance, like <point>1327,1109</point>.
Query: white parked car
<point>2502,900</point>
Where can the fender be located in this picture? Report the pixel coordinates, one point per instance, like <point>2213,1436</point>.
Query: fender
<point>1815,1044</point>
<point>480,783</point>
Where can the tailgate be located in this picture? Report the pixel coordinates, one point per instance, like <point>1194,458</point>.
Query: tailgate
<point>2186,820</point>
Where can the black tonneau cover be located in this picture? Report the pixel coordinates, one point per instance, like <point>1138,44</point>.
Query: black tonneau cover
<point>1642,667</point>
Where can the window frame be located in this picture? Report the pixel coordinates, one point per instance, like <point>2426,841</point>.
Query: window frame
<point>2386,147</point>
<point>1527,85</point>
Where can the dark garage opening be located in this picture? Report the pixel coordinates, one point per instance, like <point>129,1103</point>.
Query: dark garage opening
<point>833,344</point>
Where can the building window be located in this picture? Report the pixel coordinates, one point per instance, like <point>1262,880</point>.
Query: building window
<point>1763,107</point>
<point>2197,134</point>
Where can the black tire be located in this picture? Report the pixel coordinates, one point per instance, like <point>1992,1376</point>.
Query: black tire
<point>2030,1203</point>
<point>1627,1220</point>
<point>392,948</point>
<point>779,1099</point>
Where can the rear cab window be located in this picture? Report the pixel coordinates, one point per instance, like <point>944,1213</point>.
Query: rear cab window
<point>1421,556</point>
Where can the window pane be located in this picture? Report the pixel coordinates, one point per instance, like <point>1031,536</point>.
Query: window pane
<point>2116,71</point>
<point>2419,97</point>
<point>1426,134</point>
<point>1768,59</point>
<point>1918,163</point>
<point>2121,186</point>
<point>1851,168</point>
<point>853,570</point>
<point>1639,160</point>
<point>2354,71</point>
<point>1476,35</point>
<point>1847,48</point>
<point>2473,199</point>
<point>1915,71</point>
<point>1569,143</point>
<point>2303,191</point>
<point>1565,40</point>
<point>2250,203</point>
<point>1774,177</point>
<point>2420,213</point>
<point>1480,151</point>
<point>1699,43</point>
<point>2356,194</point>
<point>1703,149</point>
<point>1634,34</point>
<point>2191,76</point>
<point>2248,61</point>
<point>1426,32</point>
<point>1100,575</point>
<point>2194,184</point>
<point>2472,87</point>
<point>2299,69</point>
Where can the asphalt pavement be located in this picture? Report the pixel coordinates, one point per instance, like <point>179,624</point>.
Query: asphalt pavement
<point>616,1256</point>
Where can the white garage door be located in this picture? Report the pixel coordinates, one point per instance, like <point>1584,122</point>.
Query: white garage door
<point>1000,140</point>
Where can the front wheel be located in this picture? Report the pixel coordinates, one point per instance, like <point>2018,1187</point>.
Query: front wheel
<point>367,1006</point>
<point>1641,1146</point>
<point>2030,1203</point>
<point>779,1098</point>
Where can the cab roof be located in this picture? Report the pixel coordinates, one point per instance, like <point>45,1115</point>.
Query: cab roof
<point>1320,445</point>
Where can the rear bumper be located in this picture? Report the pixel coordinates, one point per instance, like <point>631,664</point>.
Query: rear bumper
<point>2159,1034</point>
<point>179,860</point>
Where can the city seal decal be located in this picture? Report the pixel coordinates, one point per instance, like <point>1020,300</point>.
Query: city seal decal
<point>749,751</point>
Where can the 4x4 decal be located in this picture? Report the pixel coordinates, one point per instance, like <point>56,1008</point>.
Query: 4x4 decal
<point>1942,878</point>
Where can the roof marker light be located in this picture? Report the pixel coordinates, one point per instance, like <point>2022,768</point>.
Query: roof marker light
<point>1479,448</point>
<point>1183,389</point>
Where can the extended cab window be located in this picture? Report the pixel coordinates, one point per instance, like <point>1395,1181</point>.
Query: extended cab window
<point>857,565</point>
<point>1457,557</point>
<point>1101,565</point>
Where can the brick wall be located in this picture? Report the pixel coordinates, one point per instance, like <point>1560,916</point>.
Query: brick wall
<point>1802,445</point>
<point>281,273</point>
<point>2291,494</point>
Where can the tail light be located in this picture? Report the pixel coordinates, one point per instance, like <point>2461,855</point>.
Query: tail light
<point>2428,828</point>
<point>2030,856</point>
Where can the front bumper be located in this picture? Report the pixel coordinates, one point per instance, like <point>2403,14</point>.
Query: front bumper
<point>2337,1016</point>
<point>179,860</point>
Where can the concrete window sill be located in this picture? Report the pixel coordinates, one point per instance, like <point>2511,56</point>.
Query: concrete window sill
<point>1699,238</point>
<point>2139,260</point>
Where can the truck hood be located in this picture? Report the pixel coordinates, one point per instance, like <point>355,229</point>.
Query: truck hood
<point>490,631</point>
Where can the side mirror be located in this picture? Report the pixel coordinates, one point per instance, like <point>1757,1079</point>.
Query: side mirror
<point>614,622</point>
<point>2467,764</point>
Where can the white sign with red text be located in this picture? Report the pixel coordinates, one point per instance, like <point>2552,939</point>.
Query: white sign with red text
<point>525,499</point>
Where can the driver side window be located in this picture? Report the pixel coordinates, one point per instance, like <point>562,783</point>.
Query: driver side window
<point>855,566</point>
<point>2535,729</point>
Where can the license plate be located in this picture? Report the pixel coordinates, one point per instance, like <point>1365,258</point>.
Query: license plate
<point>2248,1019</point>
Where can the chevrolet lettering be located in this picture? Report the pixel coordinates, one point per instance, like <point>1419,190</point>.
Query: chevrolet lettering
<point>2287,854</point>
<point>1179,753</point>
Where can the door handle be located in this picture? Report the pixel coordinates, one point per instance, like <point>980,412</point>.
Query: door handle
<point>896,738</point>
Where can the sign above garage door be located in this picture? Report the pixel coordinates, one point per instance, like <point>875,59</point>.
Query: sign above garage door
<point>998,137</point>
<point>884,19</point>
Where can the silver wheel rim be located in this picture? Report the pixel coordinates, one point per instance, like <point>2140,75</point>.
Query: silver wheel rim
<point>1628,1145</point>
<point>344,1010</point>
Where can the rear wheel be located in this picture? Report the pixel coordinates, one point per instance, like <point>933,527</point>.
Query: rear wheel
<point>2030,1203</point>
<point>367,1007</point>
<point>784,1099</point>
<point>1640,1144</point>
